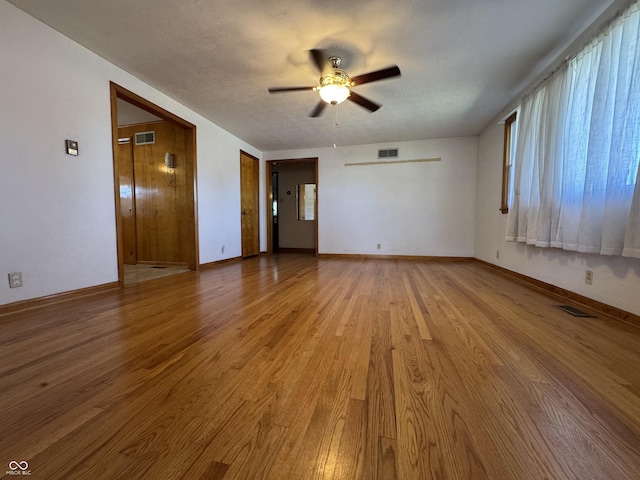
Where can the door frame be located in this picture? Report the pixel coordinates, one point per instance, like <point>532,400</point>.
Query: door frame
<point>117,92</point>
<point>269,169</point>
<point>274,233</point>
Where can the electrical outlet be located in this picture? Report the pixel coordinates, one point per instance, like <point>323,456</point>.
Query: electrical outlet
<point>588,277</point>
<point>222,249</point>
<point>15,279</point>
<point>497,253</point>
<point>379,246</point>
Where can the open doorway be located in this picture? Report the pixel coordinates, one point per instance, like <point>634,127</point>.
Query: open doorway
<point>292,199</point>
<point>155,192</point>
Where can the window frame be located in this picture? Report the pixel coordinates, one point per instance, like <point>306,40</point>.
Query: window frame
<point>507,162</point>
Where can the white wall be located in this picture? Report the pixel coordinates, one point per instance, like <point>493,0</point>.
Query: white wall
<point>616,280</point>
<point>129,114</point>
<point>424,209</point>
<point>58,211</point>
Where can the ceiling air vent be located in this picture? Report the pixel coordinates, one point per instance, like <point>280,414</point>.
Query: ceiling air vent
<point>145,138</point>
<point>388,153</point>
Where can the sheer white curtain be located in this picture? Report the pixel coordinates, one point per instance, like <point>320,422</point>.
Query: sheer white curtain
<point>578,150</point>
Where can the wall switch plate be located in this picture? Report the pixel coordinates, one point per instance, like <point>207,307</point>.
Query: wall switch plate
<point>72,147</point>
<point>15,279</point>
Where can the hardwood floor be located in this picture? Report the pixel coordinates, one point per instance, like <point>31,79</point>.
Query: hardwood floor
<point>292,367</point>
<point>143,272</point>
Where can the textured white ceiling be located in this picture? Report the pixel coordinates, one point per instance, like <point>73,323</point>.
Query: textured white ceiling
<point>462,61</point>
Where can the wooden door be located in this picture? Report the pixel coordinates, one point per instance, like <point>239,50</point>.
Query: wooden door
<point>127,202</point>
<point>161,195</point>
<point>249,181</point>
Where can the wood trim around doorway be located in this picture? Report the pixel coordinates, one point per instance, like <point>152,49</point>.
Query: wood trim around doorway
<point>118,92</point>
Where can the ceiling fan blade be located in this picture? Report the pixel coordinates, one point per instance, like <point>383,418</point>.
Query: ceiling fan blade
<point>317,58</point>
<point>288,89</point>
<point>319,108</point>
<point>377,75</point>
<point>363,102</point>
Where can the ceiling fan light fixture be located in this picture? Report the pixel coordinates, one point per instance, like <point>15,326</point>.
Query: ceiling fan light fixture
<point>335,87</point>
<point>334,93</point>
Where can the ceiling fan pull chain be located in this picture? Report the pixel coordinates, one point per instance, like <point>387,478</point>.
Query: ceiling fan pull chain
<point>335,124</point>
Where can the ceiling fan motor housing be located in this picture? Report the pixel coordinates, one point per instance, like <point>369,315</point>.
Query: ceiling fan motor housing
<point>337,77</point>
<point>335,62</point>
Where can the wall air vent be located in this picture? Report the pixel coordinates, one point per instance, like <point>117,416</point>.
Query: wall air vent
<point>145,138</point>
<point>388,153</point>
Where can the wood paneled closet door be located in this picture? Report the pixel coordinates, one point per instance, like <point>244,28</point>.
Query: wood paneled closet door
<point>161,195</point>
<point>249,204</point>
<point>127,201</point>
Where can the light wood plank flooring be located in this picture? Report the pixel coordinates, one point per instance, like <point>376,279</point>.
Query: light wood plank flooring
<point>293,367</point>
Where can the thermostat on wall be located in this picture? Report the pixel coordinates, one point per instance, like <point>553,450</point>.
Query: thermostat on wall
<point>72,147</point>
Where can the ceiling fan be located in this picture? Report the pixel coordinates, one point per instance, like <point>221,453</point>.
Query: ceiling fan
<point>335,87</point>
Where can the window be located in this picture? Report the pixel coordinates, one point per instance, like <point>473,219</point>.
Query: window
<point>578,150</point>
<point>510,133</point>
<point>306,201</point>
